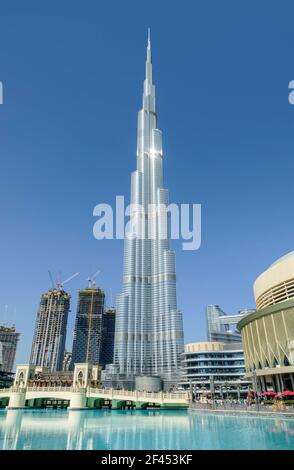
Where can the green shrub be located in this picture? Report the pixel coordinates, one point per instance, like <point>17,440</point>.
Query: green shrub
<point>289,402</point>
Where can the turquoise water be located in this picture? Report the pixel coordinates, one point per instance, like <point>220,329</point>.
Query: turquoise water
<point>159,430</point>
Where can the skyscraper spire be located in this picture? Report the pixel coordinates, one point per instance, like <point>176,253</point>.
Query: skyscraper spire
<point>149,328</point>
<point>149,47</point>
<point>149,88</point>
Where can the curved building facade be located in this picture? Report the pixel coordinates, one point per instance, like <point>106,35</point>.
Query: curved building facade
<point>276,284</point>
<point>215,367</point>
<point>268,334</point>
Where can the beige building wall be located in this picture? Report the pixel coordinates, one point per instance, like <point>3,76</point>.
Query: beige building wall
<point>268,337</point>
<point>204,346</point>
<point>276,284</point>
<point>268,334</point>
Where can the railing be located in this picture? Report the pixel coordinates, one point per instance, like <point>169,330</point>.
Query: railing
<point>230,406</point>
<point>16,388</point>
<point>49,389</point>
<point>137,395</point>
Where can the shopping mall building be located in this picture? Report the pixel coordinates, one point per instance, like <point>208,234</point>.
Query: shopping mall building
<point>214,367</point>
<point>268,334</point>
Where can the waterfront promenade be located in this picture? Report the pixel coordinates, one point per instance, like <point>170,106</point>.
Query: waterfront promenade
<point>243,408</point>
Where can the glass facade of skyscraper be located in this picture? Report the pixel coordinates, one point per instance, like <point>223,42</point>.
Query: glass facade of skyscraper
<point>149,327</point>
<point>223,327</point>
<point>8,343</point>
<point>107,342</point>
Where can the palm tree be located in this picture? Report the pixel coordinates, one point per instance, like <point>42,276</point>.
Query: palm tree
<point>221,391</point>
<point>226,387</point>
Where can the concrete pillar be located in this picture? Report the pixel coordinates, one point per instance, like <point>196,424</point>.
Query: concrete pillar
<point>292,381</point>
<point>78,400</point>
<point>277,382</point>
<point>141,405</point>
<point>282,383</point>
<point>93,402</point>
<point>263,384</point>
<point>17,399</point>
<point>117,404</point>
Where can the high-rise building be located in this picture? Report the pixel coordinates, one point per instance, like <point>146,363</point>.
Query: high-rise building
<point>149,327</point>
<point>88,326</point>
<point>50,330</point>
<point>66,361</point>
<point>8,344</point>
<point>223,327</point>
<point>107,342</point>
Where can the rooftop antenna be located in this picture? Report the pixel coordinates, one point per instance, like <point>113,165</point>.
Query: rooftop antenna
<point>5,315</point>
<point>91,279</point>
<point>110,296</point>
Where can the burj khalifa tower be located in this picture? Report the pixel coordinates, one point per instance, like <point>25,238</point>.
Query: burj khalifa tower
<point>149,336</point>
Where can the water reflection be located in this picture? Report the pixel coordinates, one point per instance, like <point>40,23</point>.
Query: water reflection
<point>103,429</point>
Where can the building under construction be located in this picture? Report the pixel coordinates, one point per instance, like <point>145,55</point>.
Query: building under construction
<point>107,343</point>
<point>8,344</point>
<point>50,330</point>
<point>88,326</point>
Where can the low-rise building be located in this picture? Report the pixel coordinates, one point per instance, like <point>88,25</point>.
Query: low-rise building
<point>42,377</point>
<point>214,367</point>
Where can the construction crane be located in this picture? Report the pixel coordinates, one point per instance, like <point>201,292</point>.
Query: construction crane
<point>59,284</point>
<point>91,280</point>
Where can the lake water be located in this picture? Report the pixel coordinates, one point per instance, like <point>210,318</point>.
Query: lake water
<point>158,430</point>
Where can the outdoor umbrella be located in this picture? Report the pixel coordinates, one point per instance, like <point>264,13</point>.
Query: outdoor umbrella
<point>286,393</point>
<point>269,394</point>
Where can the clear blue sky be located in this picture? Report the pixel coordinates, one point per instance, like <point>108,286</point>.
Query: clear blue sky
<point>72,74</point>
